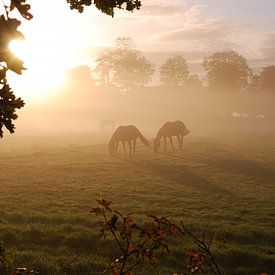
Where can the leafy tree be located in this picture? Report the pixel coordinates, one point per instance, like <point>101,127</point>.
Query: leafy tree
<point>8,32</point>
<point>226,70</point>
<point>124,66</point>
<point>80,74</point>
<point>105,64</point>
<point>254,83</point>
<point>267,80</point>
<point>174,72</point>
<point>8,26</point>
<point>131,69</point>
<point>125,43</point>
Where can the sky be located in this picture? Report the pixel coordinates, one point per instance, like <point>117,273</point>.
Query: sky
<point>58,38</point>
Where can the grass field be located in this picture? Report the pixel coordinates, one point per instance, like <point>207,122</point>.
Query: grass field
<point>215,184</point>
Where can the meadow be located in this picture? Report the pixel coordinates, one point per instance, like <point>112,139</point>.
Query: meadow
<point>221,184</point>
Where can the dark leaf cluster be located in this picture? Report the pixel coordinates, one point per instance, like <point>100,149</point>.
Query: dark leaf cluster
<point>8,61</point>
<point>137,243</point>
<point>4,263</point>
<point>105,6</point>
<point>22,7</point>
<point>8,105</point>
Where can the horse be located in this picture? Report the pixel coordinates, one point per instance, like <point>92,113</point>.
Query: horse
<point>127,134</point>
<point>104,123</point>
<point>168,130</point>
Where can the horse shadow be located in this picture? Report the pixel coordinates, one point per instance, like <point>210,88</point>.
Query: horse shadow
<point>183,175</point>
<point>248,168</point>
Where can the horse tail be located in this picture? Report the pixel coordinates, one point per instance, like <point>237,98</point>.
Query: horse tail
<point>143,139</point>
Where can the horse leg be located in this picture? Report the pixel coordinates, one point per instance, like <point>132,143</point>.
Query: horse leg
<point>130,147</point>
<point>171,142</point>
<point>124,150</point>
<point>181,141</point>
<point>116,146</point>
<point>134,146</point>
<point>164,141</point>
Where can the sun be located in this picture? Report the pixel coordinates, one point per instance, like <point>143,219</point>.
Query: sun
<point>42,63</point>
<point>47,51</point>
<point>46,64</point>
<point>55,39</point>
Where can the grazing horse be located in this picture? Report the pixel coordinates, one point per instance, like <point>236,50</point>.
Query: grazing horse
<point>168,130</point>
<point>127,134</point>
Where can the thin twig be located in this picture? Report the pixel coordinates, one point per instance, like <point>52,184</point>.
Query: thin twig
<point>203,246</point>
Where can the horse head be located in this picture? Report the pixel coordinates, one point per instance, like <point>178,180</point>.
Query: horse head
<point>186,132</point>
<point>111,146</point>
<point>156,144</point>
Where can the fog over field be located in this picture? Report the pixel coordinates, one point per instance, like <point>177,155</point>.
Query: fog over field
<point>76,114</point>
<point>137,138</point>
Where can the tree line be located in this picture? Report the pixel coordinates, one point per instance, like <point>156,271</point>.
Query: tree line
<point>127,68</point>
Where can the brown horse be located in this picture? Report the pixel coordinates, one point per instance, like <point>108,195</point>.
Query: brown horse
<point>127,134</point>
<point>168,130</point>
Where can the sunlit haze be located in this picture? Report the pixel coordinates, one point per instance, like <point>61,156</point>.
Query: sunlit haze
<point>142,143</point>
<point>58,38</point>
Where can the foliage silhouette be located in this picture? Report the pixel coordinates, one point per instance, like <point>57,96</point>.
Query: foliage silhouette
<point>8,62</point>
<point>124,66</point>
<point>226,70</point>
<point>138,244</point>
<point>105,6</point>
<point>267,80</point>
<point>3,260</point>
<point>174,72</point>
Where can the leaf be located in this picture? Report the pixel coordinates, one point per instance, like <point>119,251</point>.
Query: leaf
<point>14,63</point>
<point>96,211</point>
<point>22,8</point>
<point>8,105</point>
<point>270,253</point>
<point>106,204</point>
<point>8,33</point>
<point>131,248</point>
<point>221,240</point>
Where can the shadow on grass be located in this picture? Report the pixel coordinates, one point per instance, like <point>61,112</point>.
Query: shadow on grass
<point>248,168</point>
<point>183,175</point>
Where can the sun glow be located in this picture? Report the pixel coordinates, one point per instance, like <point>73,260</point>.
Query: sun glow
<point>54,41</point>
<point>46,63</point>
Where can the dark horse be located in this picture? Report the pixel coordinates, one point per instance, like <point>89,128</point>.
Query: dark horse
<point>127,134</point>
<point>168,130</point>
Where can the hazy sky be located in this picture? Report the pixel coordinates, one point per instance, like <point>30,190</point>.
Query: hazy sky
<point>58,37</point>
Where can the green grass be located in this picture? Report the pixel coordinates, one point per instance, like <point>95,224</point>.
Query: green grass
<point>215,184</point>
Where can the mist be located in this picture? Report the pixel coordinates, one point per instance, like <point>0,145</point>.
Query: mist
<point>77,112</point>
<point>136,135</point>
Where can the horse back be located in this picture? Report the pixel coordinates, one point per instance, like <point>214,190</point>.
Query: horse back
<point>172,128</point>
